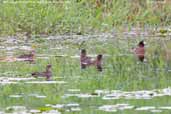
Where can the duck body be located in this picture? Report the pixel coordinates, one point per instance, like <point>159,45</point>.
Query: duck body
<point>140,51</point>
<point>47,74</point>
<point>98,62</point>
<point>84,59</point>
<point>27,57</point>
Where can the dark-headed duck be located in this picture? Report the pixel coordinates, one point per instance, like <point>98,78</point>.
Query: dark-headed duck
<point>84,59</point>
<point>140,51</point>
<point>47,74</point>
<point>98,62</point>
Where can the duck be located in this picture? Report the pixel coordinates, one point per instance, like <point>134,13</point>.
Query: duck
<point>84,59</point>
<point>47,73</point>
<point>98,62</point>
<point>27,57</point>
<point>139,51</point>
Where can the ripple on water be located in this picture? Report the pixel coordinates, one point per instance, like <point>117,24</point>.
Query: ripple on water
<point>117,94</point>
<point>90,55</point>
<point>75,109</point>
<point>17,109</point>
<point>71,107</point>
<point>15,79</point>
<point>58,106</point>
<point>40,96</point>
<point>74,90</point>
<point>45,58</point>
<point>166,91</point>
<point>37,95</point>
<point>7,82</point>
<point>57,48</point>
<point>81,95</point>
<point>34,111</point>
<point>156,111</point>
<point>145,108</point>
<point>27,48</point>
<point>46,82</point>
<point>52,112</point>
<point>107,108</point>
<point>143,94</point>
<point>165,108</point>
<point>12,80</point>
<point>29,95</point>
<point>15,96</point>
<point>24,110</point>
<point>114,108</point>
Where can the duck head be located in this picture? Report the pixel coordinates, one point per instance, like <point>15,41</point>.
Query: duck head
<point>48,67</point>
<point>99,57</point>
<point>83,53</point>
<point>141,44</point>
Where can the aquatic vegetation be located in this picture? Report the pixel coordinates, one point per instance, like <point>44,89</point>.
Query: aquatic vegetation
<point>124,86</point>
<point>43,109</point>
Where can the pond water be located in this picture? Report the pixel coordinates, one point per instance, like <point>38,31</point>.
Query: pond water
<point>124,86</point>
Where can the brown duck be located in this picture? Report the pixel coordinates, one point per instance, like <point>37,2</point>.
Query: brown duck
<point>140,51</point>
<point>84,59</point>
<point>27,57</point>
<point>47,74</point>
<point>98,62</point>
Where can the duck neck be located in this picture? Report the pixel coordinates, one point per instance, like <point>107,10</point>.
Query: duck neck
<point>48,69</point>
